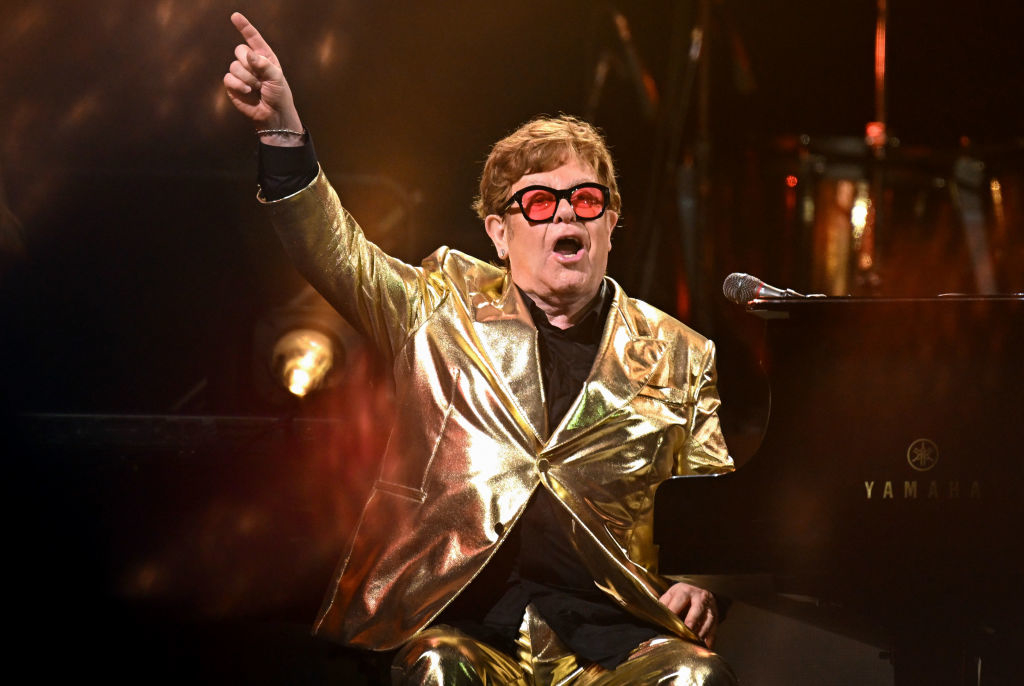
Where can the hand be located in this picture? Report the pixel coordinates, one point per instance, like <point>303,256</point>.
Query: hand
<point>697,607</point>
<point>256,85</point>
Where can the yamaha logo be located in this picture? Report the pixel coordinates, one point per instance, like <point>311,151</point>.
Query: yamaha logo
<point>923,454</point>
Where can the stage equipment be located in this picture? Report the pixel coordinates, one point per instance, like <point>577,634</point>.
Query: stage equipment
<point>947,217</point>
<point>301,348</point>
<point>302,359</point>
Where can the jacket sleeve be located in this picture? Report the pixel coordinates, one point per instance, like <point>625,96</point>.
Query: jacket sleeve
<point>383,297</point>
<point>704,451</point>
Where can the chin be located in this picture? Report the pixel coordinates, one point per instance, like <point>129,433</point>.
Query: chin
<point>575,288</point>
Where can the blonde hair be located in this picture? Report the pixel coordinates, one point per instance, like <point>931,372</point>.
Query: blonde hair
<point>543,144</point>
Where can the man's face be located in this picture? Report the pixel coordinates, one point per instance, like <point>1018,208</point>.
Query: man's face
<point>559,263</point>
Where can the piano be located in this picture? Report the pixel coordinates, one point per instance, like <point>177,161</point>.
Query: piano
<point>886,499</point>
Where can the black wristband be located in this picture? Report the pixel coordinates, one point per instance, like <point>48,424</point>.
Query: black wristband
<point>286,170</point>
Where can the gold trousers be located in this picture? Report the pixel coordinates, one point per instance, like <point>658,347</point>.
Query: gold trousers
<point>443,656</point>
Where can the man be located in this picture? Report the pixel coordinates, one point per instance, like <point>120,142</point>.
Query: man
<point>508,537</point>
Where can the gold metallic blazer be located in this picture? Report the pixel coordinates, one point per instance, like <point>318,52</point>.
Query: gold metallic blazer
<point>471,442</point>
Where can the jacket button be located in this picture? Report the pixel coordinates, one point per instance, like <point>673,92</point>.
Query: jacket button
<point>543,464</point>
<point>499,528</point>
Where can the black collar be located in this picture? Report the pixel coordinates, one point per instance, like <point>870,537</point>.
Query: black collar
<point>588,329</point>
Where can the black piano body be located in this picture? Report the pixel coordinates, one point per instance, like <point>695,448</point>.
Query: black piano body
<point>888,488</point>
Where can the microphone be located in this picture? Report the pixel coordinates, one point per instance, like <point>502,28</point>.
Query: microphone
<point>742,288</point>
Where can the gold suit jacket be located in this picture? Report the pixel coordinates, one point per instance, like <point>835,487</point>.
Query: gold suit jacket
<point>471,442</point>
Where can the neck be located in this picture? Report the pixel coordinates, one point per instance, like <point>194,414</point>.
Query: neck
<point>564,314</point>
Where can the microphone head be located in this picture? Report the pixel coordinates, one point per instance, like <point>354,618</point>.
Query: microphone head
<point>740,288</point>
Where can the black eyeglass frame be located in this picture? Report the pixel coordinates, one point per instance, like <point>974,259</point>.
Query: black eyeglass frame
<point>565,194</point>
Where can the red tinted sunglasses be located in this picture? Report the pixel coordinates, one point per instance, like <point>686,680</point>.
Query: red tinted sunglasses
<point>540,203</point>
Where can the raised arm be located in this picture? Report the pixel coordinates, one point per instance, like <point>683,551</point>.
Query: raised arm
<point>257,87</point>
<point>381,296</point>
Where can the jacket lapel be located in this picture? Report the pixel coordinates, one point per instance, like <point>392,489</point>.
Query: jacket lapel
<point>626,357</point>
<point>509,340</point>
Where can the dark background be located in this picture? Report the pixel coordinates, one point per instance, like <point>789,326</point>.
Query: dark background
<point>137,267</point>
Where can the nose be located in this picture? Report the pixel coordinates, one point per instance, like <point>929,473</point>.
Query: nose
<point>564,211</point>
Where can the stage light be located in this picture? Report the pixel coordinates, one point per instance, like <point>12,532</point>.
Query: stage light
<point>859,216</point>
<point>301,349</point>
<point>302,358</point>
<point>861,213</point>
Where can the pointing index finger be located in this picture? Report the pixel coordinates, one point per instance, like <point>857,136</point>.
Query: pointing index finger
<point>252,37</point>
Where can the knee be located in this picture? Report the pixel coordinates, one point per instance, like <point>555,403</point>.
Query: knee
<point>701,668</point>
<point>426,660</point>
<point>442,657</point>
<point>717,672</point>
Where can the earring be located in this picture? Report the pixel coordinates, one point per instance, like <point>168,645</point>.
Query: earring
<point>501,253</point>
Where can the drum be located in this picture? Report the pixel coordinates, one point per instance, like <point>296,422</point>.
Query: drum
<point>901,221</point>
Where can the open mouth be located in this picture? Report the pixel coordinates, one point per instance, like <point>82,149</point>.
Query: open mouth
<point>568,246</point>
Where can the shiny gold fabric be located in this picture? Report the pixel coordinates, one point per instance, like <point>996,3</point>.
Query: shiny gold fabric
<point>470,442</point>
<point>443,655</point>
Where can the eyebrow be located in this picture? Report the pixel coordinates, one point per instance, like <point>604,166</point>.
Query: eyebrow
<point>572,184</point>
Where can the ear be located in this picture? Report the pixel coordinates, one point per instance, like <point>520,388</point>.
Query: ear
<point>613,221</point>
<point>496,229</point>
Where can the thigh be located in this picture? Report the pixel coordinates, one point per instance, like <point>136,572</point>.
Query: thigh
<point>663,660</point>
<point>445,656</point>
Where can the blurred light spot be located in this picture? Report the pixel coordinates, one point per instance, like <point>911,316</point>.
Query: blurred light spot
<point>325,50</point>
<point>997,203</point>
<point>220,102</point>
<point>147,577</point>
<point>183,72</point>
<point>807,209</point>
<point>248,522</point>
<point>29,18</point>
<point>164,12</point>
<point>875,133</point>
<point>791,181</point>
<point>301,360</point>
<point>859,216</point>
<point>82,109</point>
